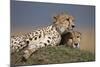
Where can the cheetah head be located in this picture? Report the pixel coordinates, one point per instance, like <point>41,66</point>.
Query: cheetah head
<point>64,22</point>
<point>72,39</point>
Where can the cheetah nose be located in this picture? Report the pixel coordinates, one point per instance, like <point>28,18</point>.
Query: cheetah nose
<point>73,26</point>
<point>76,44</point>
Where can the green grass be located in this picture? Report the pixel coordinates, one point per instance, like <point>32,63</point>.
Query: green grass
<point>54,55</point>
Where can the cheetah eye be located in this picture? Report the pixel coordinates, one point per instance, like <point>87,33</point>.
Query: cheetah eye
<point>67,19</point>
<point>77,36</point>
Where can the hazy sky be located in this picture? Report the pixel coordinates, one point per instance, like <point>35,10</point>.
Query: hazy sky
<point>28,14</point>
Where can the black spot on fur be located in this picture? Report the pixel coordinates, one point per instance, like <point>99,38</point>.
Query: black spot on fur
<point>12,41</point>
<point>39,36</point>
<point>18,47</point>
<point>58,35</point>
<point>21,45</point>
<point>30,38</point>
<point>48,41</point>
<point>45,44</point>
<point>12,36</point>
<point>36,32</point>
<point>27,42</point>
<point>35,38</point>
<point>15,42</point>
<point>52,28</point>
<point>49,37</point>
<point>23,59</point>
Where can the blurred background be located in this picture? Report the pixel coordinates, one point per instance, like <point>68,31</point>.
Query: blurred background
<point>27,16</point>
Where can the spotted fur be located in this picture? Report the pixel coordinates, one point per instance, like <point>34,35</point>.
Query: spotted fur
<point>47,36</point>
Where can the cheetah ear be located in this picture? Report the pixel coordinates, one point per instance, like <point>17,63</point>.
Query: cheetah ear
<point>55,19</point>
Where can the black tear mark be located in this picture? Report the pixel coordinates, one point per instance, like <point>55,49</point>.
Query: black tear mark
<point>48,41</point>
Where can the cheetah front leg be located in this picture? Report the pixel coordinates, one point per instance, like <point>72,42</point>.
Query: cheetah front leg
<point>31,49</point>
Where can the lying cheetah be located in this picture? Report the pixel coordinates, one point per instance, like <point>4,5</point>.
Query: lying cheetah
<point>47,36</point>
<point>71,39</point>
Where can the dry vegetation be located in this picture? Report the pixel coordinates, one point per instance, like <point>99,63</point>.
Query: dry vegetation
<point>53,55</point>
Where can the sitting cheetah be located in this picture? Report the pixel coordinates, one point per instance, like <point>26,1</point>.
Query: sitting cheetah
<point>71,39</point>
<point>47,36</point>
